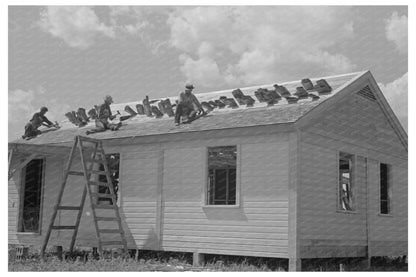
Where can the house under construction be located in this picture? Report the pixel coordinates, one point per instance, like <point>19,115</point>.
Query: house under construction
<point>314,168</point>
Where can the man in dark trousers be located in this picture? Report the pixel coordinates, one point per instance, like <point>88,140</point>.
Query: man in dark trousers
<point>188,106</point>
<point>38,119</point>
<point>103,115</point>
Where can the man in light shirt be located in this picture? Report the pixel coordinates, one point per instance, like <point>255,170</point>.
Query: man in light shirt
<point>188,106</point>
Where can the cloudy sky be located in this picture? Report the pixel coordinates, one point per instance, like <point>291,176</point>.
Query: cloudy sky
<point>70,57</point>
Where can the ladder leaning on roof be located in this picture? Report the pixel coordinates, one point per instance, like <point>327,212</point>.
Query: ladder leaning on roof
<point>90,156</point>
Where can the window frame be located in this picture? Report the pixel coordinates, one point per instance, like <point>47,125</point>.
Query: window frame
<point>206,180</point>
<point>352,183</point>
<point>389,189</point>
<point>22,182</point>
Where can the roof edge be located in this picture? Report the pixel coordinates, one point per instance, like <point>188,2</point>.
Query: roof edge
<point>302,121</point>
<point>388,112</point>
<point>365,76</point>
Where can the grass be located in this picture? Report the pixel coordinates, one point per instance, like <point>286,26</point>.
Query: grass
<point>177,261</point>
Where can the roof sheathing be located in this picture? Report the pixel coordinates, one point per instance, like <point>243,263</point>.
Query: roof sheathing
<point>259,114</point>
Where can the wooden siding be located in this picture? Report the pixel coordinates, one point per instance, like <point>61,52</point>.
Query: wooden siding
<point>388,233</point>
<point>14,201</point>
<point>162,198</point>
<point>359,121</point>
<point>257,227</point>
<point>357,126</point>
<point>138,183</point>
<point>52,177</point>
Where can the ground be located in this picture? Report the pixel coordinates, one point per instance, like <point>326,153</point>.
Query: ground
<point>179,262</point>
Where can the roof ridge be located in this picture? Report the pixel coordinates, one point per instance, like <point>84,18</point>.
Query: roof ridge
<point>282,83</point>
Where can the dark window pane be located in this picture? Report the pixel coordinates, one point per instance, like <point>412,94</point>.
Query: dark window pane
<point>220,185</point>
<point>384,207</point>
<point>384,189</point>
<point>32,196</point>
<point>222,175</point>
<point>232,186</point>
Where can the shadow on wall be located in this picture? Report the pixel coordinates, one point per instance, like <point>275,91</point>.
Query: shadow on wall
<point>152,239</point>
<point>131,243</point>
<point>225,213</point>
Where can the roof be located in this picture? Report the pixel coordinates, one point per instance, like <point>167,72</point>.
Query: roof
<point>260,114</point>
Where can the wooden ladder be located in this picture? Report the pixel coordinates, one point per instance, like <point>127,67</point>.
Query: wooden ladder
<point>91,155</point>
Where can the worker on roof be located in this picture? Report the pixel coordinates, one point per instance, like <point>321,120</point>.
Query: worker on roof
<point>188,106</point>
<point>103,115</point>
<point>38,119</point>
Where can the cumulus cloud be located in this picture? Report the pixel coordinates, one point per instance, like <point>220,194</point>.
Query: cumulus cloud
<point>203,70</point>
<point>22,105</point>
<point>130,20</point>
<point>260,42</point>
<point>80,26</point>
<point>396,94</point>
<point>77,26</point>
<point>396,31</point>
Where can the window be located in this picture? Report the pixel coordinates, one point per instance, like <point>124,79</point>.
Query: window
<point>384,188</point>
<point>222,175</point>
<point>29,219</point>
<point>345,185</point>
<point>113,161</point>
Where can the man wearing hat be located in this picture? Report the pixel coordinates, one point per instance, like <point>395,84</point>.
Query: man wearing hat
<point>188,105</point>
<point>38,119</point>
<point>103,115</point>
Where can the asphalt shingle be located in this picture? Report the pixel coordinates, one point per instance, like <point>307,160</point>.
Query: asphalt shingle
<point>259,114</point>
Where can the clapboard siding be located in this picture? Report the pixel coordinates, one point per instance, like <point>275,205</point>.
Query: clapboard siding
<point>13,205</point>
<point>360,121</point>
<point>14,200</point>
<point>138,182</point>
<point>162,198</point>
<point>317,193</point>
<point>257,227</point>
<point>358,127</point>
<point>388,233</point>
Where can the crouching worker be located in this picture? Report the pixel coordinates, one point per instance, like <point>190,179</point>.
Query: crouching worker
<point>104,114</point>
<point>188,106</point>
<point>38,119</point>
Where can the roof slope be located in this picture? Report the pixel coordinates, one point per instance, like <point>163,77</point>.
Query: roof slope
<point>257,115</point>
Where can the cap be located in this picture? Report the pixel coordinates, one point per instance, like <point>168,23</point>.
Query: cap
<point>189,86</point>
<point>108,98</point>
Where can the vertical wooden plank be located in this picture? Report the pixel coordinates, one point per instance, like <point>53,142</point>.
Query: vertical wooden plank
<point>293,226</point>
<point>198,258</point>
<point>238,176</point>
<point>10,160</point>
<point>159,200</point>
<point>367,206</point>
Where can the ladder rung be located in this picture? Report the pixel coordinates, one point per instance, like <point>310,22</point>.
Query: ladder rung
<point>112,242</point>
<point>104,207</point>
<point>74,208</point>
<point>94,183</point>
<point>100,161</point>
<point>112,231</point>
<point>78,173</point>
<point>64,227</point>
<point>103,195</point>
<point>98,218</point>
<point>97,172</point>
